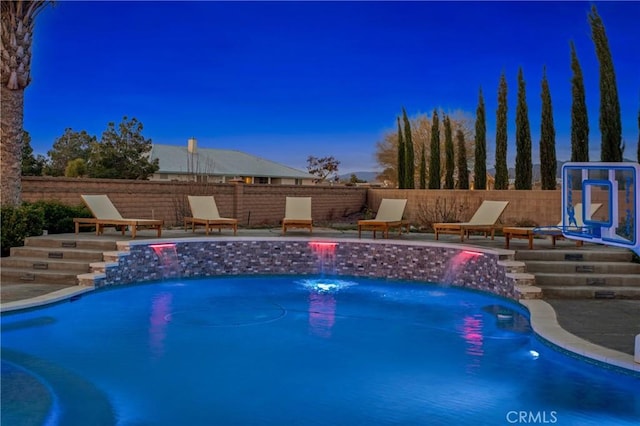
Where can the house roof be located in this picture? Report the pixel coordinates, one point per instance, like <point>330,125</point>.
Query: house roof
<point>219,162</point>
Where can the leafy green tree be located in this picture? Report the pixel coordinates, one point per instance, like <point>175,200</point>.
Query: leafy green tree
<point>16,38</point>
<point>502,171</point>
<point>423,167</point>
<point>123,153</point>
<point>611,148</point>
<point>409,156</point>
<point>70,146</point>
<point>401,159</point>
<point>353,179</point>
<point>434,159</point>
<point>449,160</point>
<point>480,166</point>
<point>31,166</point>
<point>547,138</point>
<point>524,168</point>
<point>579,117</point>
<point>76,168</point>
<point>463,171</point>
<point>325,168</point>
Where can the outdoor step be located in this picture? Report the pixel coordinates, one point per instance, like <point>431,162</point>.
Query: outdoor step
<point>528,292</point>
<point>590,292</point>
<point>37,263</point>
<point>513,266</point>
<point>586,267</point>
<point>603,255</point>
<point>18,275</point>
<point>66,241</point>
<point>545,279</point>
<point>56,253</point>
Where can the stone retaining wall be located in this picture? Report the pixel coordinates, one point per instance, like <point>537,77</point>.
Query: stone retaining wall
<point>431,262</point>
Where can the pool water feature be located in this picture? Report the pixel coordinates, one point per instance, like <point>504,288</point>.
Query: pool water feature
<point>287,350</point>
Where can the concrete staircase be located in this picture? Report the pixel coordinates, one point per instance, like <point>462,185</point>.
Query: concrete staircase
<point>52,260</point>
<point>597,272</point>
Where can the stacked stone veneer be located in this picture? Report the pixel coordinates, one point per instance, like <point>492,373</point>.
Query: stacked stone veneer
<point>440,263</point>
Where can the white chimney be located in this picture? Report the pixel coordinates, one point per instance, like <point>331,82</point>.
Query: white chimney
<point>192,145</point>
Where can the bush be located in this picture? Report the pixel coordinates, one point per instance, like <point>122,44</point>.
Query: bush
<point>58,217</point>
<point>442,210</point>
<point>19,223</point>
<point>31,219</point>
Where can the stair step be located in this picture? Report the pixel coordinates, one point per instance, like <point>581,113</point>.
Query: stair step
<point>602,255</point>
<point>544,279</point>
<point>70,242</point>
<point>38,263</point>
<point>585,267</point>
<point>591,292</point>
<point>513,266</point>
<point>56,253</point>
<point>19,275</point>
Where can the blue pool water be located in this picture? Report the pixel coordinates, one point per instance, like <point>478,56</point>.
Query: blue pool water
<point>296,351</point>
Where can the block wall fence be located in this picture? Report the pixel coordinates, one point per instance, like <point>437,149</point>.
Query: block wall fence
<point>263,205</point>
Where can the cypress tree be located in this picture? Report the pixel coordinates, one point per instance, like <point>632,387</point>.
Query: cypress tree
<point>502,171</point>
<point>480,167</point>
<point>523,138</point>
<point>463,171</point>
<point>547,138</point>
<point>409,155</point>
<point>449,161</point>
<point>401,161</point>
<point>610,121</point>
<point>434,161</point>
<point>423,168</point>
<point>579,118</point>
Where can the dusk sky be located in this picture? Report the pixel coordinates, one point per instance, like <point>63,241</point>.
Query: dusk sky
<point>285,80</point>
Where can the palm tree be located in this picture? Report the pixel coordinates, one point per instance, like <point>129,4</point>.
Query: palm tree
<point>18,19</point>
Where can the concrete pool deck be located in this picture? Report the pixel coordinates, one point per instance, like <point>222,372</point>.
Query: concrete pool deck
<point>601,329</point>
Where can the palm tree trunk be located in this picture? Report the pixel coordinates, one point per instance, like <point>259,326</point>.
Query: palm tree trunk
<point>11,116</point>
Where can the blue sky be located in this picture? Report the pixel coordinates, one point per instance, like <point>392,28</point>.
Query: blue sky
<point>285,80</point>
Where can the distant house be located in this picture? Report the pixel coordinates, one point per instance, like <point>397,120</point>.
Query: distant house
<point>190,163</point>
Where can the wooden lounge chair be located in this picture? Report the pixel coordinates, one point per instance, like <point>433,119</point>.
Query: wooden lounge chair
<point>483,220</point>
<point>555,232</point>
<point>389,216</point>
<point>205,212</point>
<point>105,214</point>
<point>297,214</point>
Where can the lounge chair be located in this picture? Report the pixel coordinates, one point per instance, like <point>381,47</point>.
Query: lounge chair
<point>105,214</point>
<point>483,220</point>
<point>575,223</point>
<point>297,214</point>
<point>389,216</point>
<point>204,212</point>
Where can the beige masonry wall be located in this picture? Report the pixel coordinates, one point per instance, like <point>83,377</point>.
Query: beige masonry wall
<point>531,206</point>
<point>263,205</point>
<point>253,205</point>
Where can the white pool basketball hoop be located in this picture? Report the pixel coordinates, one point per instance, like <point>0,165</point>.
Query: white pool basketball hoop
<point>615,186</point>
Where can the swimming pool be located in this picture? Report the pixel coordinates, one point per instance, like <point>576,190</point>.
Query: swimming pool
<point>297,350</point>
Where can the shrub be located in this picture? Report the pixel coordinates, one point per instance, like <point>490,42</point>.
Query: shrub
<point>30,219</point>
<point>442,210</point>
<point>19,223</point>
<point>58,217</point>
